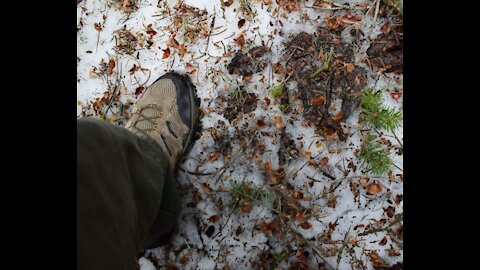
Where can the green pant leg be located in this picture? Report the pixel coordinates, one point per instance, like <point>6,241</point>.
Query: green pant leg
<point>126,195</point>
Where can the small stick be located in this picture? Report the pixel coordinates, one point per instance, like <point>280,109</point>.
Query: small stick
<point>376,11</point>
<point>398,140</point>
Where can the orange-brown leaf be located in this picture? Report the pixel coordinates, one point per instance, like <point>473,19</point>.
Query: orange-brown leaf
<point>139,90</point>
<point>349,18</point>
<point>182,49</point>
<point>324,161</point>
<point>386,28</point>
<point>184,259</point>
<point>375,259</point>
<point>98,27</point>
<point>214,218</point>
<point>173,42</point>
<point>111,66</point>
<point>322,4</point>
<point>317,101</point>
<point>260,123</point>
<point>134,69</point>
<point>298,195</point>
<point>215,134</point>
<point>241,23</point>
<point>213,156</point>
<point>228,3</point>
<point>240,40</point>
<point>166,53</point>
<point>247,207</point>
<point>306,225</point>
<point>279,122</point>
<point>150,30</point>
<point>374,188</point>
<point>350,67</point>
<point>268,166</point>
<point>267,228</point>
<point>207,189</point>
<point>364,181</point>
<point>338,116</point>
<point>306,154</point>
<point>396,95</point>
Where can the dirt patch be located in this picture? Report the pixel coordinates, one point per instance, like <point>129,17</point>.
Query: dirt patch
<point>246,64</point>
<point>239,101</point>
<point>287,150</point>
<point>323,67</point>
<point>385,54</point>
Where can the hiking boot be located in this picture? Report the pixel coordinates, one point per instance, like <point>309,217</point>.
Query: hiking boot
<point>167,112</point>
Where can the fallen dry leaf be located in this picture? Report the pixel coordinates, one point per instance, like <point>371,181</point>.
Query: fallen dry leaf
<point>240,40</point>
<point>207,189</point>
<point>338,116</point>
<point>306,225</point>
<point>268,2</point>
<point>247,207</point>
<point>374,188</point>
<point>306,154</point>
<point>390,211</point>
<point>317,101</point>
<point>172,41</point>
<point>324,162</point>
<point>279,122</point>
<point>166,53</point>
<point>386,28</point>
<point>298,195</point>
<point>184,259</point>
<point>139,90</point>
<point>268,166</point>
<point>98,27</point>
<point>241,23</point>
<point>215,134</point>
<point>305,123</point>
<point>260,123</point>
<point>134,69</point>
<point>364,181</point>
<point>182,50</point>
<point>150,30</point>
<point>392,253</point>
<point>383,241</point>
<point>349,18</point>
<point>278,175</point>
<point>334,23</point>
<point>228,3</point>
<point>398,199</point>
<point>111,66</point>
<point>350,67</point>
<point>375,259</point>
<point>267,228</point>
<point>299,253</point>
<point>396,95</point>
<point>213,156</point>
<point>322,4</point>
<point>214,218</point>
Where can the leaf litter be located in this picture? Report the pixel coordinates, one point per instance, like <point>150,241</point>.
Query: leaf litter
<point>280,84</point>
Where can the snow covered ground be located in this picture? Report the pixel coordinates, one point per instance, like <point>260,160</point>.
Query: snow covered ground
<point>351,219</point>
